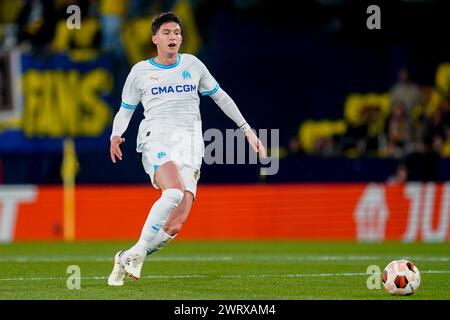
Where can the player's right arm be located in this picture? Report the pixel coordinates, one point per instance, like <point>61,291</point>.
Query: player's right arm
<point>131,96</point>
<point>120,124</point>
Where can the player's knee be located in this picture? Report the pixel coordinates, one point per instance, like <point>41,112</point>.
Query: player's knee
<point>175,184</point>
<point>173,196</point>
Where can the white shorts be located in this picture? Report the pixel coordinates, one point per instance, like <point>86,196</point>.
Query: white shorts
<point>159,150</point>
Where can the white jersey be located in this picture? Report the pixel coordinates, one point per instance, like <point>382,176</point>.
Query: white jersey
<point>169,95</point>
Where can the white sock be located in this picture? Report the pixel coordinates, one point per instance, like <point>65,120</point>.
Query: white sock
<point>159,213</point>
<point>159,241</point>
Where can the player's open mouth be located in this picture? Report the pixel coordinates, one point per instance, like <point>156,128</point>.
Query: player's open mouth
<point>172,45</point>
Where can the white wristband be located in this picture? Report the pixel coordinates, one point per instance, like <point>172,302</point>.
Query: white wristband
<point>245,127</point>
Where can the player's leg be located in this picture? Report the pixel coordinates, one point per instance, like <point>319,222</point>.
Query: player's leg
<point>167,177</point>
<point>179,215</point>
<point>173,224</point>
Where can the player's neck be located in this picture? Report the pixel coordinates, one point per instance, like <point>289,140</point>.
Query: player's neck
<point>166,59</point>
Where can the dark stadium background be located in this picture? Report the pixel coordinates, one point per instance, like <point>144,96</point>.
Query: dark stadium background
<point>282,66</point>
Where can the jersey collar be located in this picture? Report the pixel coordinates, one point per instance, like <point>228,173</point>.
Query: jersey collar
<point>165,66</point>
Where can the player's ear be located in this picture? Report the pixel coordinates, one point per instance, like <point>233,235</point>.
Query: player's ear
<point>154,39</point>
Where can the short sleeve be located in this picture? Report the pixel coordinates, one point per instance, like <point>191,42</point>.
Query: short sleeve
<point>208,85</point>
<point>131,94</point>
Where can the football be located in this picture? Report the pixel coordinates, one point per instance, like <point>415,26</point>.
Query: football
<point>401,278</point>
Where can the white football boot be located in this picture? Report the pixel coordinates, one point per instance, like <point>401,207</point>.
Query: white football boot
<point>118,273</point>
<point>133,265</point>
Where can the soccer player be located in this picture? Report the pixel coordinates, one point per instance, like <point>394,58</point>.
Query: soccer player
<point>169,137</point>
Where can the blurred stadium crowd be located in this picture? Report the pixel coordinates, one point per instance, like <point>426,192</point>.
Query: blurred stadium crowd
<point>40,25</point>
<point>409,124</point>
<point>412,123</point>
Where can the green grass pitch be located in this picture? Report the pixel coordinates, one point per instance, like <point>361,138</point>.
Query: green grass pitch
<point>281,270</point>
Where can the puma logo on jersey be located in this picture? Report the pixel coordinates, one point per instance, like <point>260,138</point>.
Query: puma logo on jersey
<point>154,78</point>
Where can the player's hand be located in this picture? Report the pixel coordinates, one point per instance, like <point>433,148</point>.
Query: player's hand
<point>256,143</point>
<point>114,149</point>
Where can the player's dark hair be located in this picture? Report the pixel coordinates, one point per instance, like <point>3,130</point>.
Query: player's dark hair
<point>162,18</point>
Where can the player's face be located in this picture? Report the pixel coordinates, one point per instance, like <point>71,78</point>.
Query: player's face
<point>168,38</point>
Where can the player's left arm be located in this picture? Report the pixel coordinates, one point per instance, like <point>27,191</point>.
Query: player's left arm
<point>229,107</point>
<point>210,87</point>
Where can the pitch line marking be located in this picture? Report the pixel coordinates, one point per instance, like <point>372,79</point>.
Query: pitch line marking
<point>294,275</point>
<point>216,258</point>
